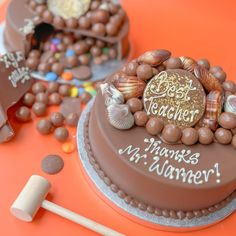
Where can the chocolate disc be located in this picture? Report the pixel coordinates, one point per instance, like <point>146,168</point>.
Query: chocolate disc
<point>82,72</point>
<point>176,97</point>
<point>52,164</point>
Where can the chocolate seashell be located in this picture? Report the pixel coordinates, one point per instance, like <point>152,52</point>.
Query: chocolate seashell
<point>129,86</point>
<point>155,57</point>
<point>214,103</point>
<point>188,63</point>
<point>230,104</point>
<point>111,94</point>
<point>120,116</point>
<point>208,81</point>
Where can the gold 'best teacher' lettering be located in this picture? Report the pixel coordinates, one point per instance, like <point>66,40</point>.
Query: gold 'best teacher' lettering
<point>175,96</point>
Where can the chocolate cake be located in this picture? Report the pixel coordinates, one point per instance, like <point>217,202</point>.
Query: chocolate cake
<point>58,37</point>
<point>162,134</point>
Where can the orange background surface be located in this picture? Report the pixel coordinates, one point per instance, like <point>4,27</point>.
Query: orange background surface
<point>194,28</point>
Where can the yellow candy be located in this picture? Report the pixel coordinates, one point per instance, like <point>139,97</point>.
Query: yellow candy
<point>74,92</point>
<point>68,147</point>
<point>57,56</point>
<point>89,88</point>
<point>87,84</point>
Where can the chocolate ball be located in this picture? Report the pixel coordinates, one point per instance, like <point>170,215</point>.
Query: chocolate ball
<point>220,75</point>
<point>95,51</point>
<point>57,119</point>
<point>44,126</point>
<point>100,16</point>
<point>28,99</point>
<point>57,68</point>
<point>34,53</point>
<point>61,134</point>
<point>97,60</point>
<point>173,63</point>
<point>144,72</point>
<point>84,22</point>
<point>130,68</point>
<point>81,47</point>
<point>111,29</point>
<point>53,87</point>
<point>227,120</point>
<point>233,142</point>
<point>135,104</point>
<point>90,42</point>
<point>154,126</point>
<point>205,135</point>
<point>71,23</point>
<point>23,114</point>
<point>171,133</point>
<point>229,86</point>
<point>140,118</point>
<point>38,87</point>
<point>100,43</point>
<point>114,8</point>
<point>223,136</point>
<point>99,29</point>
<point>94,4</point>
<point>58,22</point>
<point>189,136</point>
<point>42,97</point>
<point>72,119</point>
<point>32,63</point>
<point>214,69</point>
<point>52,60</point>
<point>204,62</point>
<point>112,53</point>
<point>61,47</point>
<point>47,16</point>
<point>72,61</point>
<point>40,9</point>
<point>85,97</point>
<point>55,99</point>
<point>68,40</point>
<point>64,90</point>
<point>39,109</point>
<point>84,59</point>
<point>44,67</point>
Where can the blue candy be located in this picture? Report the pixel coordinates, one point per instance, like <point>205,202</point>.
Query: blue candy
<point>51,76</point>
<point>81,90</point>
<point>56,41</point>
<point>70,53</point>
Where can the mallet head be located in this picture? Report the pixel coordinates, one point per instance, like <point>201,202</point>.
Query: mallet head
<point>30,198</point>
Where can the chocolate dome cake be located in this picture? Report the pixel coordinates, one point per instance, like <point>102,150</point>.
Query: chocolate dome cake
<point>161,134</point>
<point>58,36</point>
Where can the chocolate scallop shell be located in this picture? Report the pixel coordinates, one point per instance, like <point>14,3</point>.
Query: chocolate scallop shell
<point>208,81</point>
<point>214,103</point>
<point>155,57</point>
<point>230,104</point>
<point>129,86</point>
<point>188,63</point>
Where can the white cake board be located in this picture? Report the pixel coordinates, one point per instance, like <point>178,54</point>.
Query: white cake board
<point>151,220</point>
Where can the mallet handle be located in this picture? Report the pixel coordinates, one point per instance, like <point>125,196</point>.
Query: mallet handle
<point>81,220</point>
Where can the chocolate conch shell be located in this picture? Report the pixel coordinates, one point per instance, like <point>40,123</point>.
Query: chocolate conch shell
<point>68,8</point>
<point>154,58</point>
<point>120,117</point>
<point>214,103</point>
<point>129,86</point>
<point>188,63</point>
<point>230,104</point>
<point>111,94</point>
<point>208,81</point>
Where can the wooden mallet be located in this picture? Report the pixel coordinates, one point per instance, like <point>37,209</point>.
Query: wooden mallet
<point>32,197</point>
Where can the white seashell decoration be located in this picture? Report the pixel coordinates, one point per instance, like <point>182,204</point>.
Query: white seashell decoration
<point>68,8</point>
<point>120,116</point>
<point>111,94</point>
<point>230,104</point>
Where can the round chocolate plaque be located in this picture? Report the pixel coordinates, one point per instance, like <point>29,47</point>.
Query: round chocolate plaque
<point>176,97</point>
